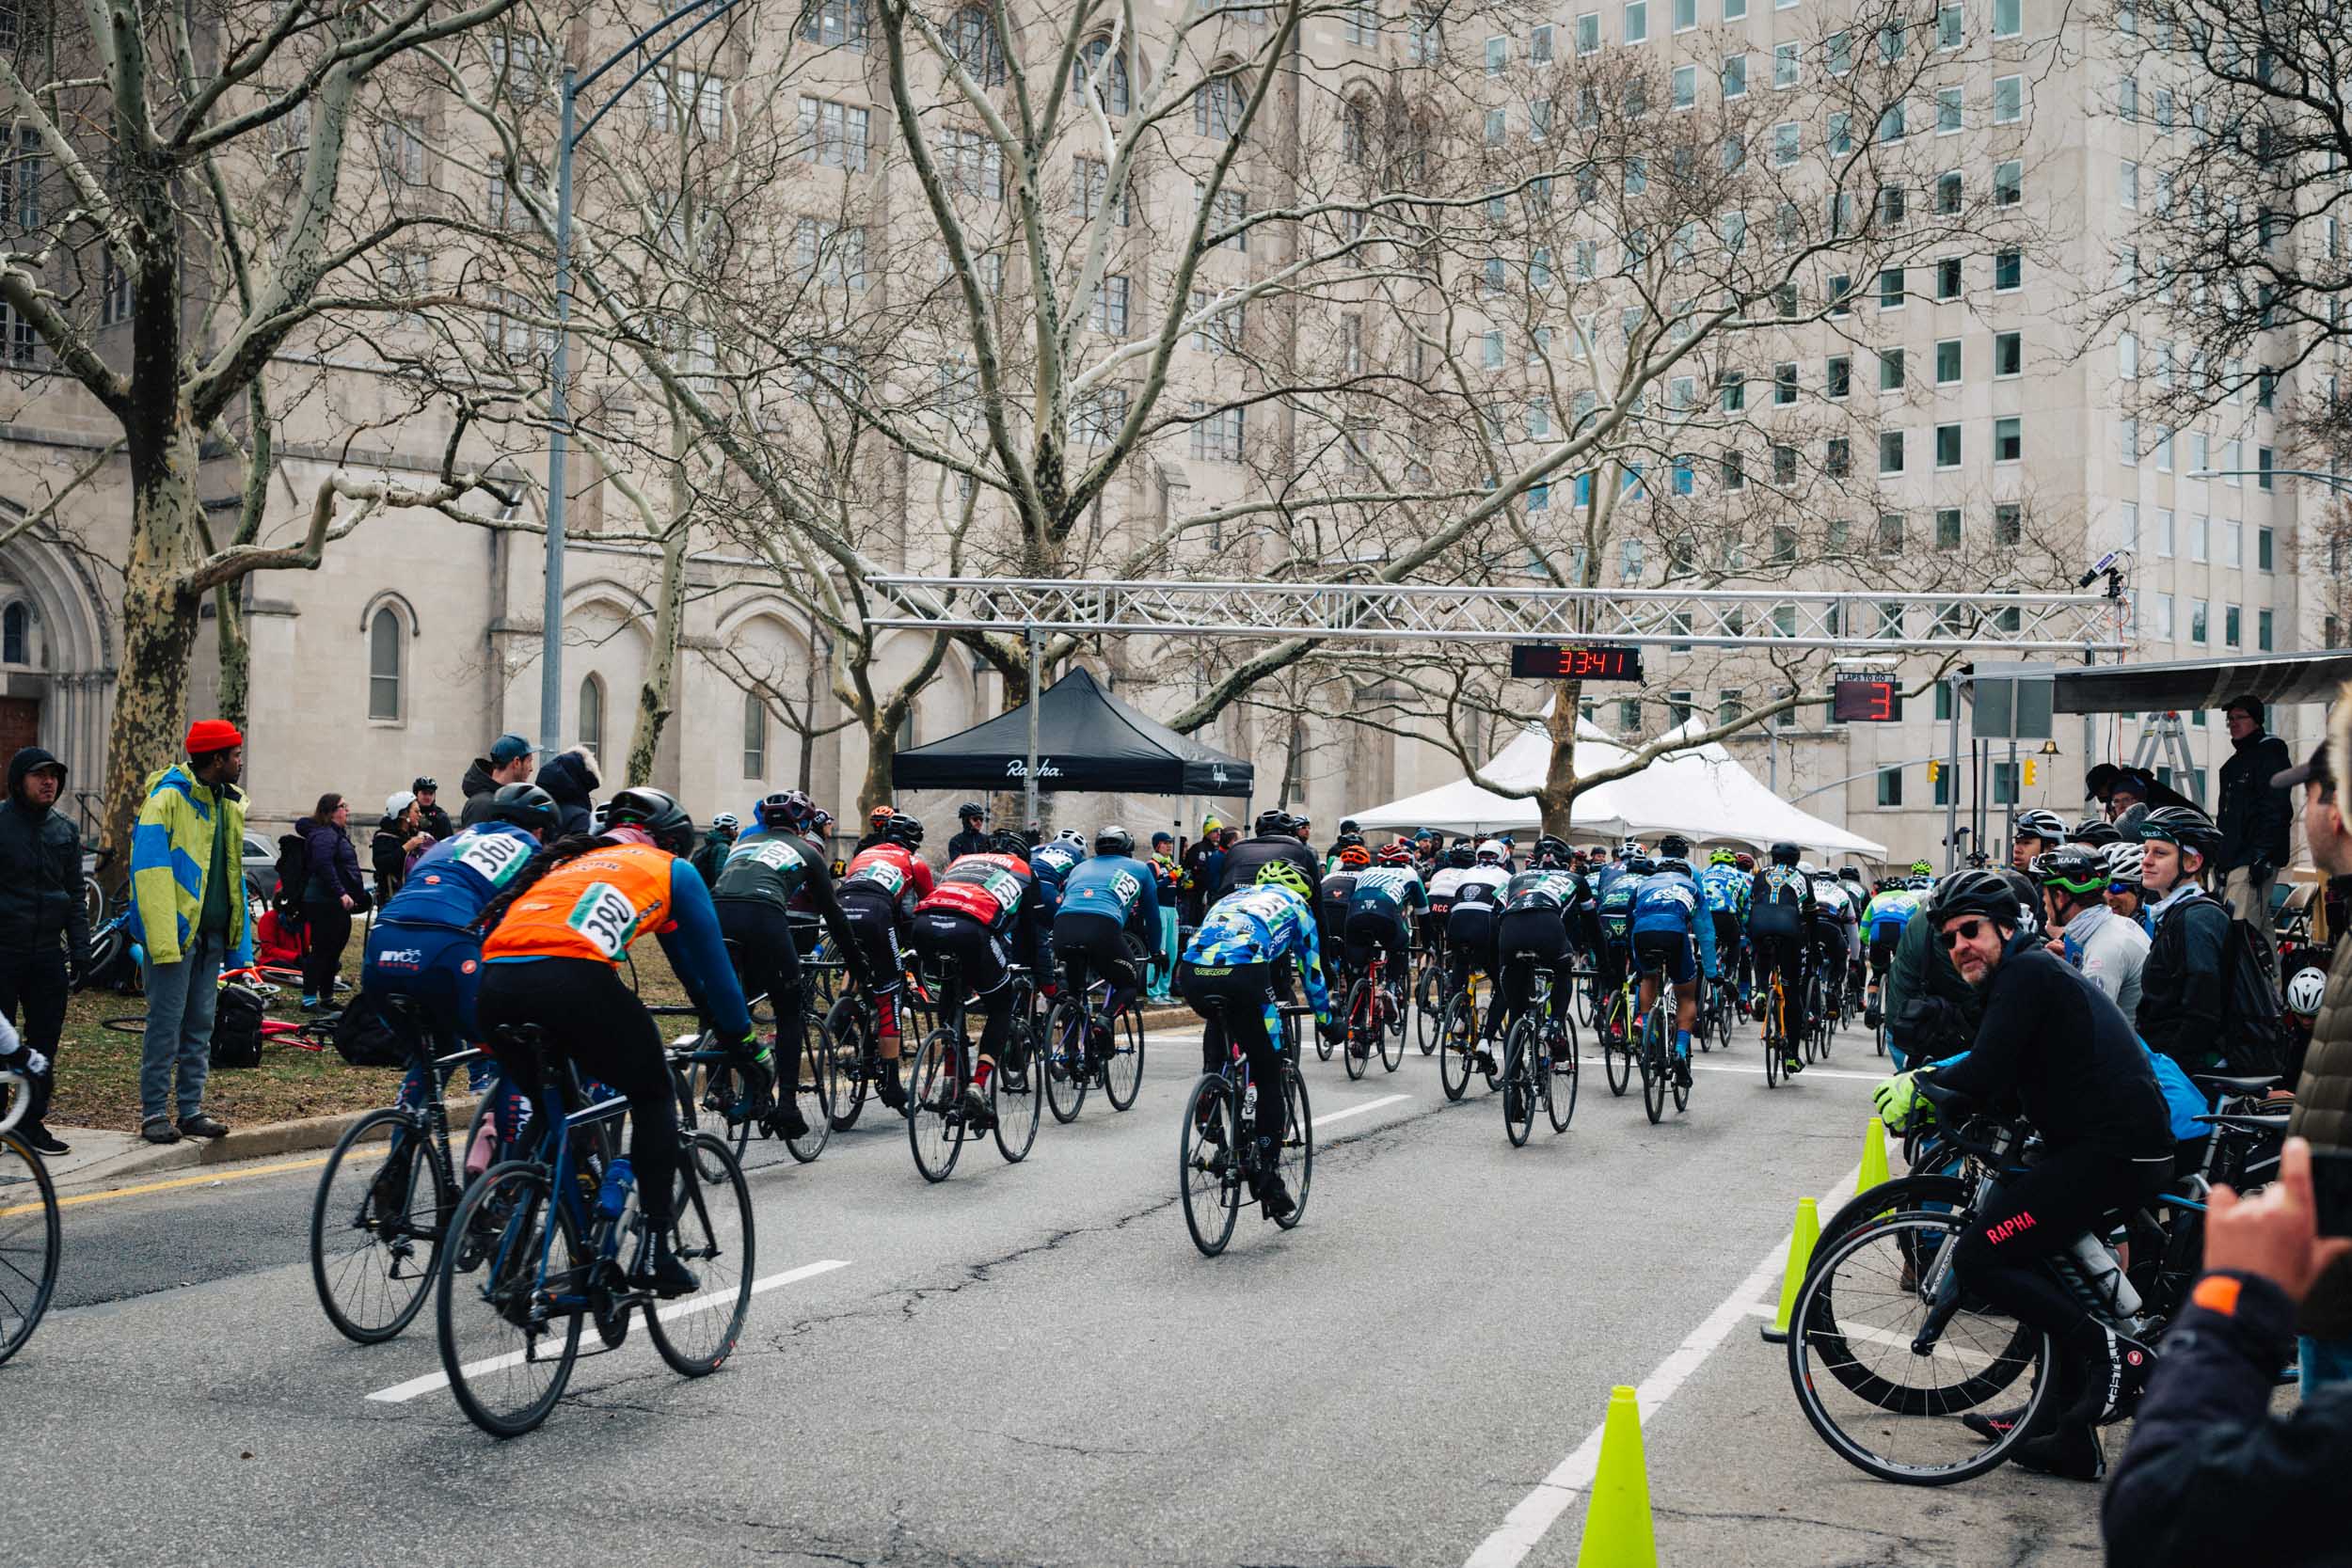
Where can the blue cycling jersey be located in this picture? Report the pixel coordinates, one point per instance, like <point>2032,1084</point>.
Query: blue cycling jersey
<point>456,879</point>
<point>1262,923</point>
<point>1051,861</point>
<point>1116,885</point>
<point>1387,890</point>
<point>1726,889</point>
<point>1670,901</point>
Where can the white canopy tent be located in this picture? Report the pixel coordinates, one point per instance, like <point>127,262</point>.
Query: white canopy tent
<point>1702,793</point>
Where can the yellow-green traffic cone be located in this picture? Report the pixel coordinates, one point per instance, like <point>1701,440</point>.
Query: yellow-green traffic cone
<point>1800,1240</point>
<point>1874,1171</point>
<point>1618,1532</point>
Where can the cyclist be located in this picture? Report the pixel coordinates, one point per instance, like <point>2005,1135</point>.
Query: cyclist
<point>1472,922</point>
<point>2123,890</point>
<point>2110,950</point>
<point>1890,908</point>
<point>1668,919</point>
<point>558,931</point>
<point>2038,832</point>
<point>1349,839</point>
<point>768,867</point>
<point>1339,886</point>
<point>1105,899</point>
<point>1726,890</point>
<point>1834,922</point>
<point>2055,1044</point>
<point>985,915</point>
<point>1386,893</point>
<point>712,852</point>
<point>1277,838</point>
<point>1536,907</point>
<point>879,893</point>
<point>1226,975</point>
<point>1443,873</point>
<point>1618,887</point>
<point>972,837</point>
<point>1780,916</point>
<point>877,821</point>
<point>2184,988</point>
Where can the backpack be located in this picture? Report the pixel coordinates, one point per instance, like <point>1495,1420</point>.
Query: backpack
<point>364,1040</point>
<point>294,874</point>
<point>237,1028</point>
<point>2253,1014</point>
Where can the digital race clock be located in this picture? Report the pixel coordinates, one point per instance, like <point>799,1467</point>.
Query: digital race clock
<point>1575,661</point>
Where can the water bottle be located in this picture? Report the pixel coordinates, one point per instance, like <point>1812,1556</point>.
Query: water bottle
<point>613,1196</point>
<point>1250,1107</point>
<point>2104,1275</point>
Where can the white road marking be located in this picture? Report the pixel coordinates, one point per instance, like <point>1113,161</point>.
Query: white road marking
<point>400,1393</point>
<point>1359,1110</point>
<point>1702,1065</point>
<point>1526,1524</point>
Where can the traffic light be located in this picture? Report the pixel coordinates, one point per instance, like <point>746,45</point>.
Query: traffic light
<point>2029,771</point>
<point>1935,770</point>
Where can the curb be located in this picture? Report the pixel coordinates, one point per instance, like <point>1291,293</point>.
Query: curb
<point>251,1143</point>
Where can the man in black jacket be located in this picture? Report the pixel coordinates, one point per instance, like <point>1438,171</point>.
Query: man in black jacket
<point>974,838</point>
<point>2253,814</point>
<point>2183,988</point>
<point>44,928</point>
<point>509,762</point>
<point>1278,839</point>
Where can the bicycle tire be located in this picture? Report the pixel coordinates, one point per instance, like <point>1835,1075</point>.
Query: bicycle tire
<point>131,1025</point>
<point>1122,1075</point>
<point>853,1030</point>
<point>516,1198</point>
<point>1902,1195</point>
<point>1207,1177</point>
<point>1655,1069</point>
<point>1816,1337</point>
<point>696,1082</point>
<point>935,1130</point>
<point>1067,1076</point>
<point>1016,1098</point>
<point>1457,1038</point>
<point>403,1251</point>
<point>813,1092</point>
<point>1518,1083</point>
<point>1681,1090</point>
<point>1564,1071</point>
<point>1392,1047</point>
<point>1429,1004</point>
<point>30,1237</point>
<point>716,1237</point>
<point>1363,1024</point>
<point>1298,1159</point>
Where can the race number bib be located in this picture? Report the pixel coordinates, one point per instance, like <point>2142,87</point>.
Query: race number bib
<point>1125,888</point>
<point>495,856</point>
<point>1004,887</point>
<point>775,854</point>
<point>882,875</point>
<point>605,916</point>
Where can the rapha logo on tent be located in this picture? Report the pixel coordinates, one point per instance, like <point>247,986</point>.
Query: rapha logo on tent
<point>1216,774</point>
<point>1018,768</point>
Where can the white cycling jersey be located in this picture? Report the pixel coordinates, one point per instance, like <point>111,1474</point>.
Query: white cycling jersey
<point>1448,877</point>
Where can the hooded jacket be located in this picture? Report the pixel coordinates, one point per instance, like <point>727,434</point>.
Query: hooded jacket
<point>2183,989</point>
<point>388,855</point>
<point>2253,816</point>
<point>573,782</point>
<point>334,863</point>
<point>40,870</point>
<point>479,789</point>
<point>172,853</point>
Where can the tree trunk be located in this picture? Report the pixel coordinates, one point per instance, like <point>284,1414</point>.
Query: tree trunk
<point>882,750</point>
<point>236,651</point>
<point>1558,795</point>
<point>159,623</point>
<point>659,689</point>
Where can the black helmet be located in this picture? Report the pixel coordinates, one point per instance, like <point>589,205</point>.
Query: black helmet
<point>423,784</point>
<point>819,820</point>
<point>2097,832</point>
<point>904,830</point>
<point>1550,853</point>
<point>2186,826</point>
<point>1347,825</point>
<point>786,810</point>
<point>2076,867</point>
<point>656,814</point>
<point>1850,874</point>
<point>1673,847</point>
<point>1348,836</point>
<point>1979,892</point>
<point>1786,854</point>
<point>526,805</point>
<point>971,808</point>
<point>1009,841</point>
<point>1638,866</point>
<point>1272,821</point>
<point>1461,857</point>
<point>1114,841</point>
<point>2048,826</point>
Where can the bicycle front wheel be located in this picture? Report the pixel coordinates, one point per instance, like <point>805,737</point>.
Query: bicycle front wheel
<point>1068,1074</point>
<point>1655,1069</point>
<point>1208,1169</point>
<point>1616,1060</point>
<point>1298,1154</point>
<point>853,1032</point>
<point>1560,1100</point>
<point>1456,1042</point>
<point>1518,1083</point>
<point>935,1108</point>
<point>1392,1044</point>
<point>1363,1028</point>
<point>28,1243</point>
<point>376,1226</point>
<point>507,1348</point>
<point>1014,1096</point>
<point>714,1238</point>
<point>1122,1075</point>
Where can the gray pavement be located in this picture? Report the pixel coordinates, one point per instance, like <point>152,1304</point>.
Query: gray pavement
<point>1031,1364</point>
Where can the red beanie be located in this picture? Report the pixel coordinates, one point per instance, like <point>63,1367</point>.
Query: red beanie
<point>212,735</point>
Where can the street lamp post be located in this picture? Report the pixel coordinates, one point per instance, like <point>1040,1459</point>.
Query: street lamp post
<point>559,392</point>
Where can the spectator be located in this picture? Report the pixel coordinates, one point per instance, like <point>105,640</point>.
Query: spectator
<point>712,853</point>
<point>402,834</point>
<point>571,778</point>
<point>509,762</point>
<point>431,817</point>
<point>2181,987</point>
<point>331,892</point>
<point>1201,868</point>
<point>44,930</point>
<point>2210,1475</point>
<point>2252,815</point>
<point>187,915</point>
<point>279,943</point>
<point>972,837</point>
<point>2323,1096</point>
<point>1165,871</point>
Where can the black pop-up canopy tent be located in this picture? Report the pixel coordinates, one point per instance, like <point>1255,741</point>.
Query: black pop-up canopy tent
<point>1086,739</point>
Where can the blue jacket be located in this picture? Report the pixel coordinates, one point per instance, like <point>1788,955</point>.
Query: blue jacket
<point>1671,901</point>
<point>1051,861</point>
<point>1116,885</point>
<point>452,882</point>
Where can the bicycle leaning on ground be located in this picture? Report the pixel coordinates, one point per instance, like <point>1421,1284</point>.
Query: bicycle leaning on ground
<point>28,1223</point>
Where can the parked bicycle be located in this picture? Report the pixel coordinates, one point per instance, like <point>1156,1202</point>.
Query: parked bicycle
<point>28,1223</point>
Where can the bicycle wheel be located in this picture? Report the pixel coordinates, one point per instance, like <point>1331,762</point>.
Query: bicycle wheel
<point>712,1086</point>
<point>1518,1083</point>
<point>815,1094</point>
<point>1655,1069</point>
<point>1429,1004</point>
<point>1363,1027</point>
<point>1299,1145</point>
<point>28,1243</point>
<point>1067,1073</point>
<point>1918,1192</point>
<point>1207,1174</point>
<point>1772,1050</point>
<point>1392,1045</point>
<point>1122,1075</point>
<point>1456,1040</point>
<point>1559,1099</point>
<point>376,1225</point>
<point>1681,1090</point>
<point>852,1031</point>
<point>1889,1411</point>
<point>935,1105</point>
<point>1616,1060</point>
<point>714,1237</point>
<point>1324,1044</point>
<point>1016,1096</point>
<point>507,1350</point>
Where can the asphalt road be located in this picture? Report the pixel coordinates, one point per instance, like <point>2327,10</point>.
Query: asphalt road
<point>1031,1364</point>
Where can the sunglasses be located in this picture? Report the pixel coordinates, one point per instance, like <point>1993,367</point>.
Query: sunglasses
<point>1967,930</point>
<point>2122,887</point>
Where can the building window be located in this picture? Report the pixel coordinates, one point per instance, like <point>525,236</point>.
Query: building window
<point>2009,183</point>
<point>1948,446</point>
<point>1637,21</point>
<point>2008,524</point>
<point>385,650</point>
<point>2197,621</point>
<point>1890,288</point>
<point>1890,370</point>
<point>755,737</point>
<point>1588,33</point>
<point>2008,18</point>
<point>2262,630</point>
<point>1890,787</point>
<point>114,290</point>
<point>1950,110</point>
<point>1948,528</point>
<point>1686,85</point>
<point>1218,107</point>
<point>835,24</point>
<point>2009,352</point>
<point>1837,459</point>
<point>2004,783</point>
<point>16,634</point>
<point>1946,361</point>
<point>1218,435</point>
<point>1686,15</point>
<point>2230,626</point>
<point>969,160</point>
<point>1784,384</point>
<point>685,100</point>
<point>1498,55</point>
<point>972,39</point>
<point>1890,452</point>
<point>1783,65</point>
<point>2009,270</point>
<point>2008,100</point>
<point>2262,550</point>
<point>1840,375</point>
<point>2009,440</point>
<point>591,713</point>
<point>834,134</point>
<point>1099,70</point>
<point>1734,75</point>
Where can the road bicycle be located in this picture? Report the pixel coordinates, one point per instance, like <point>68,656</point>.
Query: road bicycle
<point>28,1223</point>
<point>938,1121</point>
<point>390,1191</point>
<point>712,1074</point>
<point>1539,1058</point>
<point>542,1255</point>
<point>1657,1056</point>
<point>1375,1019</point>
<point>1431,990</point>
<point>1460,1047</point>
<point>1775,1029</point>
<point>1087,1044</point>
<point>1618,1016</point>
<point>853,1024</point>
<point>1217,1148</point>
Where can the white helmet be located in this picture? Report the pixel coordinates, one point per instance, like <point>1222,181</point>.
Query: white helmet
<point>2123,860</point>
<point>1493,849</point>
<point>1807,868</point>
<point>397,802</point>
<point>1071,835</point>
<point>2305,990</point>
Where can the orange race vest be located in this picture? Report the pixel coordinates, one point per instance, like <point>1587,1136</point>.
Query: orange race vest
<point>589,908</point>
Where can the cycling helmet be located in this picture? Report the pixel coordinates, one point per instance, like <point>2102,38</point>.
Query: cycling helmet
<point>1673,847</point>
<point>1720,857</point>
<point>1351,836</point>
<point>903,831</point>
<point>420,786</point>
<point>2048,826</point>
<point>526,805</point>
<point>1921,868</point>
<point>786,810</point>
<point>2123,857</point>
<point>1272,821</point>
<point>1808,869</point>
<point>1282,873</point>
<point>1114,841</point>
<point>1630,848</point>
<point>1674,862</point>
<point>1850,874</point>
<point>2076,868</point>
<point>1745,861</point>
<point>725,819</point>
<point>878,818</point>
<point>2306,988</point>
<point>655,815</point>
<point>1347,825</point>
<point>2094,830</point>
<point>1489,849</point>
<point>1009,841</point>
<point>1070,836</point>
<point>2186,826</point>
<point>1786,854</point>
<point>971,808</point>
<point>1395,852</point>
<point>1354,855</point>
<point>1886,884</point>
<point>1919,884</point>
<point>821,821</point>
<point>1558,847</point>
<point>1983,892</point>
<point>1460,857</point>
<point>1639,866</point>
<point>398,801</point>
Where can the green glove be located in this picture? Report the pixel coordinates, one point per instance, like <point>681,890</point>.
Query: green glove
<point>755,1052</point>
<point>1897,1100</point>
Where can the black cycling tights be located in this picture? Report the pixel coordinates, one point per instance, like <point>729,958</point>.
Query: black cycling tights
<point>586,1012</point>
<point>2039,1213</point>
<point>1247,992</point>
<point>769,965</point>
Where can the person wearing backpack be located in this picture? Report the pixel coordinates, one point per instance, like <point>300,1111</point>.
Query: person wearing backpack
<point>331,893</point>
<point>2184,987</point>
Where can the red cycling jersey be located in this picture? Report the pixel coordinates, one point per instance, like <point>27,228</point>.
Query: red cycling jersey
<point>892,869</point>
<point>988,888</point>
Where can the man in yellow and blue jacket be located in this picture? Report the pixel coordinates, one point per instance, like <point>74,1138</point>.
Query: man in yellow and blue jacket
<point>187,914</point>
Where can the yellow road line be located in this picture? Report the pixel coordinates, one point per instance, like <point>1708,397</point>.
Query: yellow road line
<point>206,1180</point>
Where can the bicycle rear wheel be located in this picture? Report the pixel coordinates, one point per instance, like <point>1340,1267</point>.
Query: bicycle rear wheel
<point>1428,1007</point>
<point>376,1226</point>
<point>1518,1083</point>
<point>1392,1044</point>
<point>1208,1173</point>
<point>714,1238</point>
<point>1016,1096</point>
<point>1299,1145</point>
<point>29,1235</point>
<point>1456,1040</point>
<point>936,1128</point>
<point>1559,1099</point>
<point>508,1355</point>
<point>1675,1064</point>
<point>1616,1060</point>
<point>816,1092</point>
<point>1655,1069</point>
<point>1065,1068</point>
<point>853,1034</point>
<point>1122,1075</point>
<point>1363,1027</point>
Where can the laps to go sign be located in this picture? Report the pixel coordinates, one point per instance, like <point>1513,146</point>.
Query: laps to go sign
<point>1575,661</point>
<point>1865,700</point>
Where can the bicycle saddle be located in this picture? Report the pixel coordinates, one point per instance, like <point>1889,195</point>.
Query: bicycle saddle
<point>2212,1083</point>
<point>2249,1123</point>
